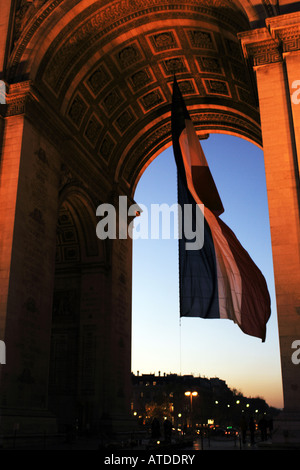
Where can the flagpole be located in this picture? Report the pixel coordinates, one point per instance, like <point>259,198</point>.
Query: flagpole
<point>179,345</point>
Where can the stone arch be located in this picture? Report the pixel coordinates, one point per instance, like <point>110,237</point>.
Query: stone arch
<point>150,143</point>
<point>98,85</point>
<point>107,70</point>
<point>93,81</point>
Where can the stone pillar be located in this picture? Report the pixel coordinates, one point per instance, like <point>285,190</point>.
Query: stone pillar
<point>28,205</point>
<point>275,55</point>
<point>96,292</point>
<point>118,365</point>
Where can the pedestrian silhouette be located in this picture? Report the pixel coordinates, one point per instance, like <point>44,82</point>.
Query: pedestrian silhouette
<point>270,426</point>
<point>243,426</point>
<point>155,429</point>
<point>167,429</point>
<point>252,430</point>
<point>262,425</point>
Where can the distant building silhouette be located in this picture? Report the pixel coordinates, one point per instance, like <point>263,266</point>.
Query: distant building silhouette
<point>163,396</point>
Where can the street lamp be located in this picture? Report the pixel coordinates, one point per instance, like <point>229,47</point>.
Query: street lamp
<point>191,395</point>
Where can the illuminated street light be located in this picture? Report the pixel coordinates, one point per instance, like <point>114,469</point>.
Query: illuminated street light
<point>191,395</point>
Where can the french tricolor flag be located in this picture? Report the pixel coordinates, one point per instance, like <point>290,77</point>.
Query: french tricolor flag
<point>219,280</point>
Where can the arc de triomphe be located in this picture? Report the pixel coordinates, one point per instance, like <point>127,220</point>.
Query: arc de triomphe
<point>89,86</point>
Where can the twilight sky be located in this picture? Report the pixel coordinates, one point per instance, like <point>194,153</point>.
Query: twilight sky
<point>209,348</point>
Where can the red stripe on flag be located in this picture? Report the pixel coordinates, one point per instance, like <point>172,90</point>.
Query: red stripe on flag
<point>256,303</point>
